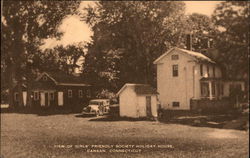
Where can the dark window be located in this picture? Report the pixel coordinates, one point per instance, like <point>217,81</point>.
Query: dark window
<point>80,93</point>
<point>208,71</point>
<point>16,96</point>
<point>213,71</point>
<point>36,95</point>
<point>204,89</point>
<point>69,93</point>
<point>201,69</point>
<point>175,70</point>
<point>213,88</point>
<point>52,96</point>
<point>175,57</point>
<point>222,89</point>
<point>176,104</point>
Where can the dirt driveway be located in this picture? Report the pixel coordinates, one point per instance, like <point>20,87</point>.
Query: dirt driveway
<point>68,136</point>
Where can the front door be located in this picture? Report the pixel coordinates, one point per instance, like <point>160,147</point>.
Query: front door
<point>148,106</point>
<point>46,99</point>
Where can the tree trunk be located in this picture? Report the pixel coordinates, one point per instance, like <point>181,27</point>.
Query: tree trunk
<point>10,86</point>
<point>20,94</point>
<point>29,99</point>
<point>11,74</point>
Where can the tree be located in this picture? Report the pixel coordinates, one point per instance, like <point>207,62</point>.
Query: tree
<point>232,37</point>
<point>202,29</point>
<point>135,33</point>
<point>59,58</point>
<point>25,24</point>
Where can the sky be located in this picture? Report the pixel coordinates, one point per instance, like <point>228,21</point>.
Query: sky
<point>76,31</point>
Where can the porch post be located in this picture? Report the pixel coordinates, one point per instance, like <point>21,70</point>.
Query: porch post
<point>210,89</point>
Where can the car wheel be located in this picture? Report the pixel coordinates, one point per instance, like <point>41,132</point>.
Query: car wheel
<point>97,113</point>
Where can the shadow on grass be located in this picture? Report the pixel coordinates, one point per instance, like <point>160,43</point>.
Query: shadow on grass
<point>226,121</point>
<point>117,118</point>
<point>83,115</point>
<point>40,111</point>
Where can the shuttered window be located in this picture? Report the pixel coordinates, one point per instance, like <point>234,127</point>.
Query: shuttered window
<point>16,96</point>
<point>70,93</point>
<point>80,94</point>
<point>36,95</point>
<point>201,70</point>
<point>175,70</point>
<point>213,71</point>
<point>52,97</point>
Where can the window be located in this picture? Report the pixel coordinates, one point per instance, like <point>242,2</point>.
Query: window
<point>213,88</point>
<point>201,69</point>
<point>80,93</point>
<point>88,93</point>
<point>16,96</point>
<point>51,95</point>
<point>218,89</point>
<point>213,71</point>
<point>175,57</point>
<point>204,89</point>
<point>69,93</point>
<point>45,78</point>
<point>36,95</point>
<point>176,104</point>
<point>175,70</point>
<point>208,71</point>
<point>222,89</point>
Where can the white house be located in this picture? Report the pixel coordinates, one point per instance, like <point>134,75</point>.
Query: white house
<point>183,75</point>
<point>137,100</point>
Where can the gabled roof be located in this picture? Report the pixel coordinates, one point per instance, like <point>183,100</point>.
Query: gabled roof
<point>139,88</point>
<point>196,55</point>
<point>60,78</point>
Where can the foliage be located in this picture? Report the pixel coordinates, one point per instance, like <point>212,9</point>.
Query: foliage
<point>128,36</point>
<point>202,30</point>
<point>24,25</point>
<point>59,58</point>
<point>232,38</point>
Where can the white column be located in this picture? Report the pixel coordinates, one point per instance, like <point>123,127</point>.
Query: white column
<point>24,98</point>
<point>60,98</point>
<point>42,101</point>
<point>210,89</point>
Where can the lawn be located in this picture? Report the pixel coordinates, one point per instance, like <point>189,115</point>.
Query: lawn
<point>70,136</point>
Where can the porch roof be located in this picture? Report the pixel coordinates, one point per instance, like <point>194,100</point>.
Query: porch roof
<point>211,79</point>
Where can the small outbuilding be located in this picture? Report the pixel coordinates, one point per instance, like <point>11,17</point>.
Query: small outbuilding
<point>137,100</point>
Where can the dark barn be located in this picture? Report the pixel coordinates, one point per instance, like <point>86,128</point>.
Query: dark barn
<point>52,90</point>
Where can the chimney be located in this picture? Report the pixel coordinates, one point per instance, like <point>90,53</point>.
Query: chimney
<point>189,41</point>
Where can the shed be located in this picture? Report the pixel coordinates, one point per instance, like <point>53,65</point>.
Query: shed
<point>137,100</point>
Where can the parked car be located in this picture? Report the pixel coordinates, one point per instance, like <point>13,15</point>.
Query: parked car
<point>97,107</point>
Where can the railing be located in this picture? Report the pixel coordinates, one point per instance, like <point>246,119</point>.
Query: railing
<point>212,106</point>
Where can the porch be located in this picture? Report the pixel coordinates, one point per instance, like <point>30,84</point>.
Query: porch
<point>211,88</point>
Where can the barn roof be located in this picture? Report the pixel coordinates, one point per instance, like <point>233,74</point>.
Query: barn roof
<point>139,89</point>
<point>196,55</point>
<point>144,89</point>
<point>64,79</point>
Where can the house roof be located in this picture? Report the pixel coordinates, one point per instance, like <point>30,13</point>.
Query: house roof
<point>139,89</point>
<point>196,55</point>
<point>64,79</point>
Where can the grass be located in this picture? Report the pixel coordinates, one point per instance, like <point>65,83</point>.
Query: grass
<point>37,136</point>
